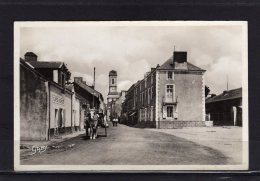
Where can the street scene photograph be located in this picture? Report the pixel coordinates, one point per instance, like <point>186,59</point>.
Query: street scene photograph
<point>169,95</point>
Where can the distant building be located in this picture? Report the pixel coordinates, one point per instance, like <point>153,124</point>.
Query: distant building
<point>113,95</point>
<point>89,97</point>
<point>225,109</point>
<point>118,103</point>
<point>169,96</point>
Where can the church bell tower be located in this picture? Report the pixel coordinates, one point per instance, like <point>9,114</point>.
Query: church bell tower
<point>113,95</point>
<point>112,82</point>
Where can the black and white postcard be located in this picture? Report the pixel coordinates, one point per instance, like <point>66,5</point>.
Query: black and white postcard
<point>130,96</point>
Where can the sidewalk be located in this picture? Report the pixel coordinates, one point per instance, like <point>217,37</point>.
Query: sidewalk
<point>26,147</point>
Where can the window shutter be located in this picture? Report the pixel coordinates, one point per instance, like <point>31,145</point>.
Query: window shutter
<point>164,112</point>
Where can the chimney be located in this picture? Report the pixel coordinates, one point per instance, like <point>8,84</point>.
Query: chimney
<point>30,57</point>
<point>213,95</point>
<point>180,60</point>
<point>78,79</point>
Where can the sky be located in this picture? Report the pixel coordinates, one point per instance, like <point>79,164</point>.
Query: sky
<point>134,50</point>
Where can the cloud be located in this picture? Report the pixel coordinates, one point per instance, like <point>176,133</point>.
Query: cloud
<point>124,85</point>
<point>132,51</point>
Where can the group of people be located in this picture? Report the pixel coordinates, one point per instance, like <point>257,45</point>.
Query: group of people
<point>115,121</point>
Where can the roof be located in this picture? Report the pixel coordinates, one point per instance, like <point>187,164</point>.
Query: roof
<point>51,65</point>
<point>70,87</point>
<point>226,95</point>
<point>87,88</point>
<point>169,65</point>
<point>31,54</point>
<point>32,69</point>
<point>113,72</point>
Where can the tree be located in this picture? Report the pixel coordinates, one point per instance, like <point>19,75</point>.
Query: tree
<point>207,91</point>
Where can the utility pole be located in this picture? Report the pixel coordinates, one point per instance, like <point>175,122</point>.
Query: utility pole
<point>94,86</point>
<point>94,78</point>
<point>227,82</point>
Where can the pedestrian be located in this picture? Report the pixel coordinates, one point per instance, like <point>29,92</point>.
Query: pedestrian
<point>116,121</point>
<point>113,121</point>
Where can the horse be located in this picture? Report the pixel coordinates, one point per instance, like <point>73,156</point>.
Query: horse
<point>93,124</point>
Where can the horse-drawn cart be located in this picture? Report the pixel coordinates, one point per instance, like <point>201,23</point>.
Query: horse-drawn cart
<point>94,121</point>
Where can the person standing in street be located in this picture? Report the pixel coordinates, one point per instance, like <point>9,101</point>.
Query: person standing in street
<point>116,121</point>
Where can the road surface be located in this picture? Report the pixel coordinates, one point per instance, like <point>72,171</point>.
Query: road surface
<point>128,146</point>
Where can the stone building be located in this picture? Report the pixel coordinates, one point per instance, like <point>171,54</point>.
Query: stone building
<point>169,96</point>
<point>113,95</point>
<point>86,98</point>
<point>118,103</point>
<point>53,99</point>
<point>33,104</point>
<point>50,106</point>
<point>225,109</point>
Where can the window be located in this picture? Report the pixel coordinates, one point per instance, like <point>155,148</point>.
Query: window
<point>113,81</point>
<point>151,117</point>
<point>142,98</point>
<point>145,114</point>
<point>169,75</point>
<point>145,83</point>
<point>169,90</point>
<point>170,93</point>
<point>169,111</point>
<point>148,96</point>
<point>151,90</point>
<point>151,79</point>
<point>145,96</point>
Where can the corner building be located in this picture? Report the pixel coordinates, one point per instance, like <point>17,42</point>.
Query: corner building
<point>170,96</point>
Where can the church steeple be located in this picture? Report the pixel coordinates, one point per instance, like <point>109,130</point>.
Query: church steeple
<point>112,82</point>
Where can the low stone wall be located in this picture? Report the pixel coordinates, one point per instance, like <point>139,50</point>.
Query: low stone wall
<point>179,124</point>
<point>145,124</point>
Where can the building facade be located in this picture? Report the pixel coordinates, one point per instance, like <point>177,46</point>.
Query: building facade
<point>225,109</point>
<point>169,96</point>
<point>118,104</point>
<point>33,104</point>
<point>50,106</point>
<point>45,111</point>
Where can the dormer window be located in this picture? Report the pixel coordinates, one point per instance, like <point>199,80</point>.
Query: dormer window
<point>169,75</point>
